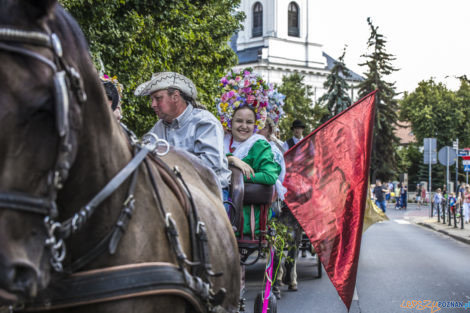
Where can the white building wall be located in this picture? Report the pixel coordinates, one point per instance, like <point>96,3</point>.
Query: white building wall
<point>282,54</point>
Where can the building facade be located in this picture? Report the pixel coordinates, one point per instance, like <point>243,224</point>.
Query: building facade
<point>278,40</point>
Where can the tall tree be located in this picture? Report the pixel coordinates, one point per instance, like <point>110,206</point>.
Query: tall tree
<point>135,38</point>
<point>434,111</point>
<point>336,99</point>
<point>378,62</point>
<point>463,98</point>
<point>298,105</point>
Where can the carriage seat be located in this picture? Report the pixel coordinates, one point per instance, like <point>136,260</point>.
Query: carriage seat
<point>242,193</point>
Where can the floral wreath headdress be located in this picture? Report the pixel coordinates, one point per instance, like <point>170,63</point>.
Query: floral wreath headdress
<point>113,89</point>
<point>241,88</point>
<point>275,104</point>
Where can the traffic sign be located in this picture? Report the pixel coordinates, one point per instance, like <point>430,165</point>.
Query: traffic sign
<point>430,150</point>
<point>466,168</point>
<point>464,152</point>
<point>466,162</point>
<point>447,156</point>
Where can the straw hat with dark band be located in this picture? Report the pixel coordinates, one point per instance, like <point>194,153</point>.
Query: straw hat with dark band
<point>165,80</point>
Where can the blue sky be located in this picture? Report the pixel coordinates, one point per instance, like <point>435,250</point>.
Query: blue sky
<point>429,38</point>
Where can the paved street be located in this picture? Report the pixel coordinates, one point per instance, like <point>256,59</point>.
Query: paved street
<point>400,261</point>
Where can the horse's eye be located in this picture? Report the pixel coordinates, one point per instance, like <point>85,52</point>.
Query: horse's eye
<point>43,111</point>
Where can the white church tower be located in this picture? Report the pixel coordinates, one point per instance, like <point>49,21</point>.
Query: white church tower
<point>278,40</point>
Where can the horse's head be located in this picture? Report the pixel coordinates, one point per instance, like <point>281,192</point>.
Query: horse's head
<point>41,99</point>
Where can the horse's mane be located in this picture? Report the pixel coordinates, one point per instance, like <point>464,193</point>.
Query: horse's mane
<point>66,21</point>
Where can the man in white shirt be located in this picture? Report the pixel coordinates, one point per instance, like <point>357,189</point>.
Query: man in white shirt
<point>297,128</point>
<point>184,125</point>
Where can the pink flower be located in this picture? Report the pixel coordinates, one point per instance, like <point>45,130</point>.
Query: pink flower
<point>237,79</point>
<point>247,83</point>
<point>224,97</point>
<point>250,99</point>
<point>224,80</point>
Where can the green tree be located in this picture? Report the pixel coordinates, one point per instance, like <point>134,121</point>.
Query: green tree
<point>336,99</point>
<point>134,38</point>
<point>463,98</point>
<point>434,111</point>
<point>378,62</point>
<point>298,105</point>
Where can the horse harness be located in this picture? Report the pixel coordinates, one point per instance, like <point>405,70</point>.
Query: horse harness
<point>127,281</point>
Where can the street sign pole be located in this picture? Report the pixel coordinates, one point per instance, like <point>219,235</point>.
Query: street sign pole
<point>456,147</point>
<point>447,170</point>
<point>430,174</point>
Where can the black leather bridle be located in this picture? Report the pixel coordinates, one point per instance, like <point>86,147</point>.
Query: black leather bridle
<point>65,78</point>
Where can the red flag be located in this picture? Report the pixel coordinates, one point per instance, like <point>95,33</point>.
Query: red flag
<point>327,178</point>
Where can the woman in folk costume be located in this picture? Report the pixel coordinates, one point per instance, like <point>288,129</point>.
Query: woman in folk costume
<point>114,93</point>
<point>242,111</point>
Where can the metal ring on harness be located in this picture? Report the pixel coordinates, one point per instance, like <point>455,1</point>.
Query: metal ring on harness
<point>155,143</point>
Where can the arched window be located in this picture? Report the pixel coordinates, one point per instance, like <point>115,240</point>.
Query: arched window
<point>293,20</point>
<point>257,20</point>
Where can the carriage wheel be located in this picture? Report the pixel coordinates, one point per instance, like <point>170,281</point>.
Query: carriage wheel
<point>272,304</point>
<point>318,266</point>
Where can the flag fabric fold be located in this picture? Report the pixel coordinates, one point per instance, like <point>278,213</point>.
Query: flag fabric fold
<point>372,213</point>
<point>327,184</point>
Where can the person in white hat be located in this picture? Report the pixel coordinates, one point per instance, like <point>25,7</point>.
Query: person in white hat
<point>196,130</point>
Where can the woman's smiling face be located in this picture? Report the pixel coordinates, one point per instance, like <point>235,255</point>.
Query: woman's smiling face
<point>243,124</point>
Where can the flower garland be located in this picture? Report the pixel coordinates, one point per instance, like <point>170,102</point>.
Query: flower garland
<point>241,88</point>
<point>115,82</point>
<point>276,102</point>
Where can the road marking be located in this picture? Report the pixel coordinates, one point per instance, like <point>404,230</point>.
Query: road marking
<point>402,222</point>
<point>355,296</point>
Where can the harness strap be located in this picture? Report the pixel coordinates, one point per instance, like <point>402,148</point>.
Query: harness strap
<point>200,245</point>
<point>111,240</point>
<point>74,224</point>
<point>120,282</point>
<point>25,202</point>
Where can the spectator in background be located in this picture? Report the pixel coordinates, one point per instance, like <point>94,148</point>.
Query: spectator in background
<point>437,200</point>
<point>379,195</point>
<point>297,129</point>
<point>419,199</point>
<point>424,197</point>
<point>404,196</point>
<point>466,204</point>
<point>387,195</point>
<point>398,197</point>
<point>452,202</point>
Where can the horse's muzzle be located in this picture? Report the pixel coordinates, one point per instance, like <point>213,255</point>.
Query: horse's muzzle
<point>18,281</point>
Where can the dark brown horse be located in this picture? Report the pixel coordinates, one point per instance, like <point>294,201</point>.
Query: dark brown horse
<point>55,158</point>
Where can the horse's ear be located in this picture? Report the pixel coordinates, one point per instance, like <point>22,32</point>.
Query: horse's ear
<point>37,9</point>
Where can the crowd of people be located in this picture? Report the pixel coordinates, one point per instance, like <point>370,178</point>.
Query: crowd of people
<point>386,193</point>
<point>454,201</point>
